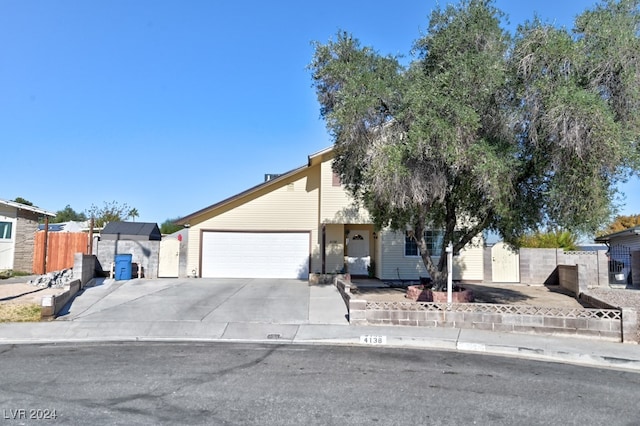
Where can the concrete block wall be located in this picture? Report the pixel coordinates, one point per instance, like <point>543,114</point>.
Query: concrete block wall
<point>538,266</point>
<point>52,305</point>
<point>635,268</point>
<point>568,278</point>
<point>630,330</point>
<point>343,283</point>
<point>593,267</point>
<point>599,328</point>
<point>145,253</point>
<point>26,228</point>
<point>84,267</point>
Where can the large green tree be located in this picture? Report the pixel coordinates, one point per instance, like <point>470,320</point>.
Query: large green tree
<point>23,201</point>
<point>67,214</point>
<point>483,130</point>
<point>110,212</point>
<point>169,226</point>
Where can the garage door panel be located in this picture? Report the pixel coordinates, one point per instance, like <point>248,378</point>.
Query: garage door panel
<point>255,255</point>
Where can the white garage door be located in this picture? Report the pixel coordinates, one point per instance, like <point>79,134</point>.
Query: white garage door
<point>255,255</point>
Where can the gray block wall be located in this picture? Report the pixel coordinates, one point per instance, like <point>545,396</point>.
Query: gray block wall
<point>538,266</point>
<point>84,267</point>
<point>592,267</point>
<point>635,269</point>
<point>145,253</point>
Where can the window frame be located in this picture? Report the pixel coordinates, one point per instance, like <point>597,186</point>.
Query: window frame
<point>433,239</point>
<point>4,226</point>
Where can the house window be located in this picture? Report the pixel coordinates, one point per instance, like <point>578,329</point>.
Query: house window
<point>5,230</point>
<point>410,244</point>
<point>433,239</point>
<point>336,180</point>
<point>358,237</point>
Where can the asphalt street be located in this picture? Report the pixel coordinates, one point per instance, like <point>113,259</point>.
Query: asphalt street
<point>271,384</point>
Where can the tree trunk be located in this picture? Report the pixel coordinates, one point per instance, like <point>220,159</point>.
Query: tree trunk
<point>438,273</point>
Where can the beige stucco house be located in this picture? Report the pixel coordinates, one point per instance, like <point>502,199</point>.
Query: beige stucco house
<point>304,222</point>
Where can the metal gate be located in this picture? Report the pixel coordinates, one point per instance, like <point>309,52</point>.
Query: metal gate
<point>619,264</point>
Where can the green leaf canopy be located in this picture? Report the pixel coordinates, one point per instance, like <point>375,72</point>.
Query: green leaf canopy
<point>484,130</point>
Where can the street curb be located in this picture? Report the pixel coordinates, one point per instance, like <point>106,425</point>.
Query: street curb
<point>584,360</point>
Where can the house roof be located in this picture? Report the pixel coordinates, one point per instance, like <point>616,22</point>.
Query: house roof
<point>624,233</point>
<point>132,231</point>
<point>21,206</point>
<point>312,160</point>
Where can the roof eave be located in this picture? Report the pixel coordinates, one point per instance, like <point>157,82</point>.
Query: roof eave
<point>625,232</point>
<point>28,208</point>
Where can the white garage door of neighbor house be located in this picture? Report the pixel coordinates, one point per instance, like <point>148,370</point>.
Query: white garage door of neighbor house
<point>255,255</point>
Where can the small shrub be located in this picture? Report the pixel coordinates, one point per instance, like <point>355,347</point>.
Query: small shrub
<point>371,269</point>
<point>555,239</point>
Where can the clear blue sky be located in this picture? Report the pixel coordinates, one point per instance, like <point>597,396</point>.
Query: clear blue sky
<point>170,106</point>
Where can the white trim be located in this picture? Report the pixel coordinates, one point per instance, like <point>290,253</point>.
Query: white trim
<point>26,207</point>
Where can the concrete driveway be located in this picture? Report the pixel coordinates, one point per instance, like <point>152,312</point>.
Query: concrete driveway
<point>272,301</point>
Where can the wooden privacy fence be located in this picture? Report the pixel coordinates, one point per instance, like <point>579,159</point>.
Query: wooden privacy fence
<point>60,251</point>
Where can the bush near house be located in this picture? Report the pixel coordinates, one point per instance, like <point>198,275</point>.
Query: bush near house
<point>555,239</point>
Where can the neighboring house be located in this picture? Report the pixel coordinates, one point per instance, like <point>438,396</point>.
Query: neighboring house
<point>71,226</point>
<point>624,255</point>
<point>304,222</point>
<point>18,226</point>
<point>140,239</point>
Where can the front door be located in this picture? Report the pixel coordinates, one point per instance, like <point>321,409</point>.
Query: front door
<point>358,258</point>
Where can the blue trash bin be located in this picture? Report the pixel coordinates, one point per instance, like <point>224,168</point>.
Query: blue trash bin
<point>123,266</point>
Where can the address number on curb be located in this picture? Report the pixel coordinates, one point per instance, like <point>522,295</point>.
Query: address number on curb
<point>373,340</point>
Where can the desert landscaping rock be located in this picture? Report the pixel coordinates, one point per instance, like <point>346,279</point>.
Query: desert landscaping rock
<point>55,279</point>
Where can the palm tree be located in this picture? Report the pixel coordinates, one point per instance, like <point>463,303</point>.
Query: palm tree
<point>133,213</point>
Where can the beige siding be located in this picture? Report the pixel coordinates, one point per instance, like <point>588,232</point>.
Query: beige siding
<point>395,265</point>
<point>336,205</point>
<point>304,201</point>
<point>469,265</point>
<point>334,261</point>
<point>290,205</point>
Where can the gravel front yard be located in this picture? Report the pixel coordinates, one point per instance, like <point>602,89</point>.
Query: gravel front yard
<point>619,298</point>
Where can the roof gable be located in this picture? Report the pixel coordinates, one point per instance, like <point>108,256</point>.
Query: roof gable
<point>312,160</point>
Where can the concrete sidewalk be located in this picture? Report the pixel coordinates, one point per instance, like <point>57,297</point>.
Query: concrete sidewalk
<point>113,311</point>
<point>567,350</point>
